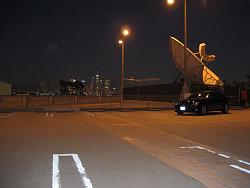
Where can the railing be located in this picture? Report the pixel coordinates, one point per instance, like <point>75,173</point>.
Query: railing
<point>111,102</point>
<point>86,101</point>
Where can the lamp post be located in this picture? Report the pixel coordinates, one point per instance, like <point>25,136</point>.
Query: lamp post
<point>125,32</point>
<point>185,88</point>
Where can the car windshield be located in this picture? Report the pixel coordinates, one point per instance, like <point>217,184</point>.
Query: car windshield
<point>199,95</point>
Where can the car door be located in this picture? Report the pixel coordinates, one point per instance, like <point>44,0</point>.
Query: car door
<point>218,102</point>
<point>210,102</point>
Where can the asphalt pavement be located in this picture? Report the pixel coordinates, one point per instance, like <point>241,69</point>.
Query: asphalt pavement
<point>124,149</point>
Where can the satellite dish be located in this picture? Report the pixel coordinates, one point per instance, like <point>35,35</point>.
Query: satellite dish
<point>203,55</point>
<point>196,70</point>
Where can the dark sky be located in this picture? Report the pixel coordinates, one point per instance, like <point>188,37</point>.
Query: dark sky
<point>48,40</point>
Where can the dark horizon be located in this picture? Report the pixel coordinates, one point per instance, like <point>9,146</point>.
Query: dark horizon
<point>53,40</point>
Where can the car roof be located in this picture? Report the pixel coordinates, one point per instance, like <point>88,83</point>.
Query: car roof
<point>208,92</point>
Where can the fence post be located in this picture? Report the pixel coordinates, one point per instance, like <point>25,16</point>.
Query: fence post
<point>110,102</point>
<point>24,101</point>
<point>50,100</point>
<point>1,101</point>
<point>239,96</point>
<point>75,99</point>
<point>148,102</point>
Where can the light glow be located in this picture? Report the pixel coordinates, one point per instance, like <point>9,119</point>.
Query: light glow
<point>170,2</point>
<point>120,41</point>
<point>125,32</point>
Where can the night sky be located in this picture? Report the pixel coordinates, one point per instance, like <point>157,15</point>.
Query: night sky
<point>49,40</point>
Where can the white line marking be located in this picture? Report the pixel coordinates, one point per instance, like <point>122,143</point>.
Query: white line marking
<point>90,114</point>
<point>7,115</point>
<point>56,175</point>
<point>56,172</point>
<point>240,168</point>
<point>198,147</point>
<point>119,124</point>
<point>12,114</point>
<point>225,156</point>
<point>244,162</point>
<point>85,114</point>
<point>211,151</point>
<point>85,179</point>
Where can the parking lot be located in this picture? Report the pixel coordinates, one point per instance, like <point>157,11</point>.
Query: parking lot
<point>124,149</point>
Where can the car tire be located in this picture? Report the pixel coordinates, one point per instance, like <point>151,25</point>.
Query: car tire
<point>225,109</point>
<point>202,110</point>
<point>180,112</point>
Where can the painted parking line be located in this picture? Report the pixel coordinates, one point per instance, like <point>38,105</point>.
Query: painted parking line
<point>88,114</point>
<point>224,156</point>
<point>199,147</point>
<point>48,115</point>
<point>119,124</point>
<point>7,115</point>
<point>240,168</point>
<point>86,182</point>
<point>244,162</point>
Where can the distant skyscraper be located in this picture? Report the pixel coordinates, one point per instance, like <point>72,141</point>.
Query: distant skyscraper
<point>92,86</point>
<point>97,82</point>
<point>101,90</point>
<point>107,91</point>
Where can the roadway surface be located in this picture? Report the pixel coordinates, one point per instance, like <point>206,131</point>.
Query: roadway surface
<point>124,150</point>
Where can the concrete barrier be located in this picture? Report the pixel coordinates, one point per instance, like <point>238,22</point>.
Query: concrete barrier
<point>26,101</point>
<point>12,101</point>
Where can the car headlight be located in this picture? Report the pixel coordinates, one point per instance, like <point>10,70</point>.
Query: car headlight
<point>194,103</point>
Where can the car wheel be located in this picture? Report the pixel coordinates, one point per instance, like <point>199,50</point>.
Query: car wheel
<point>225,109</point>
<point>203,110</point>
<point>179,112</point>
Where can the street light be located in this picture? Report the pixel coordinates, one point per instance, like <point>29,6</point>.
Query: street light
<point>185,88</point>
<point>170,2</point>
<point>120,42</point>
<point>125,33</point>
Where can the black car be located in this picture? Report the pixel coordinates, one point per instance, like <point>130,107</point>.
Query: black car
<point>203,102</point>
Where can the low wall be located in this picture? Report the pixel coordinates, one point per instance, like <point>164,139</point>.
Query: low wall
<point>40,101</point>
<point>27,101</point>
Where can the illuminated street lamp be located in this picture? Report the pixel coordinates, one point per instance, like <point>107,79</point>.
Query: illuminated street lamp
<point>170,2</point>
<point>185,88</point>
<point>120,42</point>
<point>125,33</point>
